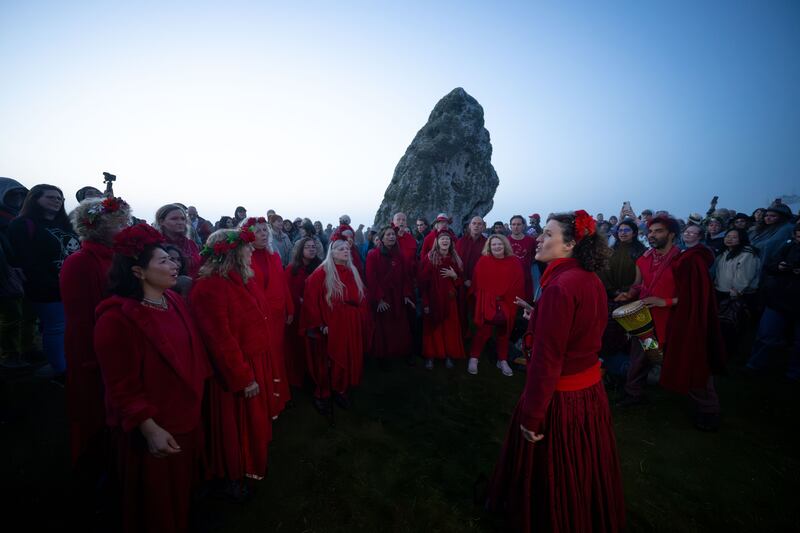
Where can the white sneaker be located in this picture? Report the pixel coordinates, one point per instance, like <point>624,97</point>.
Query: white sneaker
<point>448,363</point>
<point>472,367</point>
<point>429,364</point>
<point>503,366</point>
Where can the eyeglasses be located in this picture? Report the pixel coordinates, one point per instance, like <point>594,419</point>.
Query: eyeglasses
<point>624,230</point>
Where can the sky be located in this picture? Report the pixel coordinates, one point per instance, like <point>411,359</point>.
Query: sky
<point>306,107</point>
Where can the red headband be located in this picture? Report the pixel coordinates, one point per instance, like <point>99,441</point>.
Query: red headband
<point>585,225</point>
<point>132,241</point>
<point>252,221</point>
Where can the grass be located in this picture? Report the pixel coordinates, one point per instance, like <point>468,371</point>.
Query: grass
<point>407,455</point>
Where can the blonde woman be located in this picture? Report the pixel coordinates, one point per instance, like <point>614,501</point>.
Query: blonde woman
<point>334,309</point>
<point>171,221</point>
<point>229,311</point>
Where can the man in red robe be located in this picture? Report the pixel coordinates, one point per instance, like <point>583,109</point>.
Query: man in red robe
<point>657,291</point>
<point>524,247</point>
<point>442,223</point>
<point>469,248</point>
<point>405,240</point>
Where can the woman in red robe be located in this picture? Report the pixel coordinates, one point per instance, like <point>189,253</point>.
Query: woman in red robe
<point>154,370</point>
<point>172,223</point>
<point>302,264</point>
<point>279,308</point>
<point>390,290</point>
<point>496,284</point>
<point>440,276</point>
<point>334,307</point>
<point>84,281</point>
<point>229,310</point>
<point>559,469</point>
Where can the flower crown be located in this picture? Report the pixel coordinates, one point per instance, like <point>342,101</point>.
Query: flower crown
<point>220,249</point>
<point>252,221</point>
<point>106,207</point>
<point>585,225</point>
<point>132,241</point>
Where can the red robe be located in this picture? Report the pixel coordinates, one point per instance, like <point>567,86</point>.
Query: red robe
<point>278,305</point>
<point>154,366</point>
<point>190,251</point>
<point>83,281</point>
<point>430,241</point>
<point>570,480</point>
<point>469,250</point>
<point>233,324</point>
<point>441,326</point>
<point>296,365</point>
<point>408,248</point>
<point>658,280</point>
<point>696,348</point>
<point>525,249</point>
<point>389,279</point>
<point>343,346</point>
<point>497,282</point>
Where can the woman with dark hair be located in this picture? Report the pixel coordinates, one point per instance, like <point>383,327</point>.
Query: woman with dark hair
<point>239,215</point>
<point>171,222</point>
<point>42,238</point>
<point>559,469</point>
<point>303,263</point>
<point>230,312</point>
<point>307,230</point>
<point>279,308</point>
<point>184,283</point>
<point>84,284</point>
<point>154,370</point>
<point>497,284</point>
<point>390,289</point>
<point>715,234</point>
<point>441,273</point>
<point>736,278</point>
<point>224,223</point>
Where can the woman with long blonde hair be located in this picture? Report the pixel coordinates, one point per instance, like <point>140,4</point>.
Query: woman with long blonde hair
<point>229,310</point>
<point>334,310</point>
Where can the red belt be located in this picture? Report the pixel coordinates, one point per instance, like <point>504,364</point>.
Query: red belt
<point>582,380</point>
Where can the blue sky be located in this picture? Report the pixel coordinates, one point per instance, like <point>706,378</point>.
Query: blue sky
<point>306,107</point>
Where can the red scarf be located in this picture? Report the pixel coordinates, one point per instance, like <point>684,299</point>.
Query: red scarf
<point>551,267</point>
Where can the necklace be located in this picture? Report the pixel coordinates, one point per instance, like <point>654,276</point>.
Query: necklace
<point>160,305</point>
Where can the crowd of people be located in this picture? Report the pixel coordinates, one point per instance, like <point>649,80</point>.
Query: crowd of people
<point>180,342</point>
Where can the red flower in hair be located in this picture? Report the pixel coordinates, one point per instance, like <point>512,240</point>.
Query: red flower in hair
<point>252,221</point>
<point>585,225</point>
<point>247,236</point>
<point>132,241</point>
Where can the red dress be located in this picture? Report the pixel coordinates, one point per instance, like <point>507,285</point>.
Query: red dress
<point>570,480</point>
<point>190,251</point>
<point>389,279</point>
<point>154,366</point>
<point>524,249</point>
<point>278,305</point>
<point>343,346</point>
<point>233,324</point>
<point>441,326</point>
<point>83,281</point>
<point>408,249</point>
<point>295,339</point>
<point>470,250</point>
<point>496,283</point>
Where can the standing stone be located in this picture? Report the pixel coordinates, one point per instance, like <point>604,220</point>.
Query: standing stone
<point>447,168</point>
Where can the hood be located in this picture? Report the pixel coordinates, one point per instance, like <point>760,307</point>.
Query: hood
<point>112,302</point>
<point>7,185</point>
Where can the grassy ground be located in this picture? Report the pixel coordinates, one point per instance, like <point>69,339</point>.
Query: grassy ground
<point>406,458</point>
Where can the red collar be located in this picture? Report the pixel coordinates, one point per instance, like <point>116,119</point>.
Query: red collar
<point>554,266</point>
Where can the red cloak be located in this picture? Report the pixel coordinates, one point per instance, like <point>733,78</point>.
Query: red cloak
<point>233,324</point>
<point>295,339</point>
<point>408,248</point>
<point>343,346</point>
<point>278,305</point>
<point>389,279</point>
<point>695,348</point>
<point>658,280</point>
<point>441,325</point>
<point>497,282</point>
<point>83,281</point>
<point>470,250</point>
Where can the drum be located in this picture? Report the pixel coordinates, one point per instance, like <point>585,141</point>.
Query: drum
<point>635,317</point>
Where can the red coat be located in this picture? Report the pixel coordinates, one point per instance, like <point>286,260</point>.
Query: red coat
<point>497,282</point>
<point>567,328</point>
<point>344,318</point>
<point>295,340</point>
<point>470,251</point>
<point>441,326</point>
<point>233,324</point>
<point>279,305</point>
<point>83,281</point>
<point>694,339</point>
<point>389,279</point>
<point>152,367</point>
<point>408,248</point>
<point>658,280</point>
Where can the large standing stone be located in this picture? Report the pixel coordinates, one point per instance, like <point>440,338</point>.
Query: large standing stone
<point>446,168</point>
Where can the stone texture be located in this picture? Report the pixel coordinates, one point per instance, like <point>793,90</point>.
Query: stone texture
<point>447,168</point>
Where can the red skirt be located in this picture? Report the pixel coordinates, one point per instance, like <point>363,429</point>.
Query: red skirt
<point>443,339</point>
<point>278,385</point>
<point>570,480</point>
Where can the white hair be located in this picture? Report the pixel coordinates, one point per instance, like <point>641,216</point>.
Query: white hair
<point>334,288</point>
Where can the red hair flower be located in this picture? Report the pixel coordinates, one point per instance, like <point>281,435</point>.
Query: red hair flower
<point>585,225</point>
<point>132,241</point>
<point>252,221</point>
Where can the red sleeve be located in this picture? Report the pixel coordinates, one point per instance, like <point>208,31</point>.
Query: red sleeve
<point>209,305</point>
<point>313,299</point>
<point>82,288</point>
<point>555,313</point>
<point>120,361</point>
